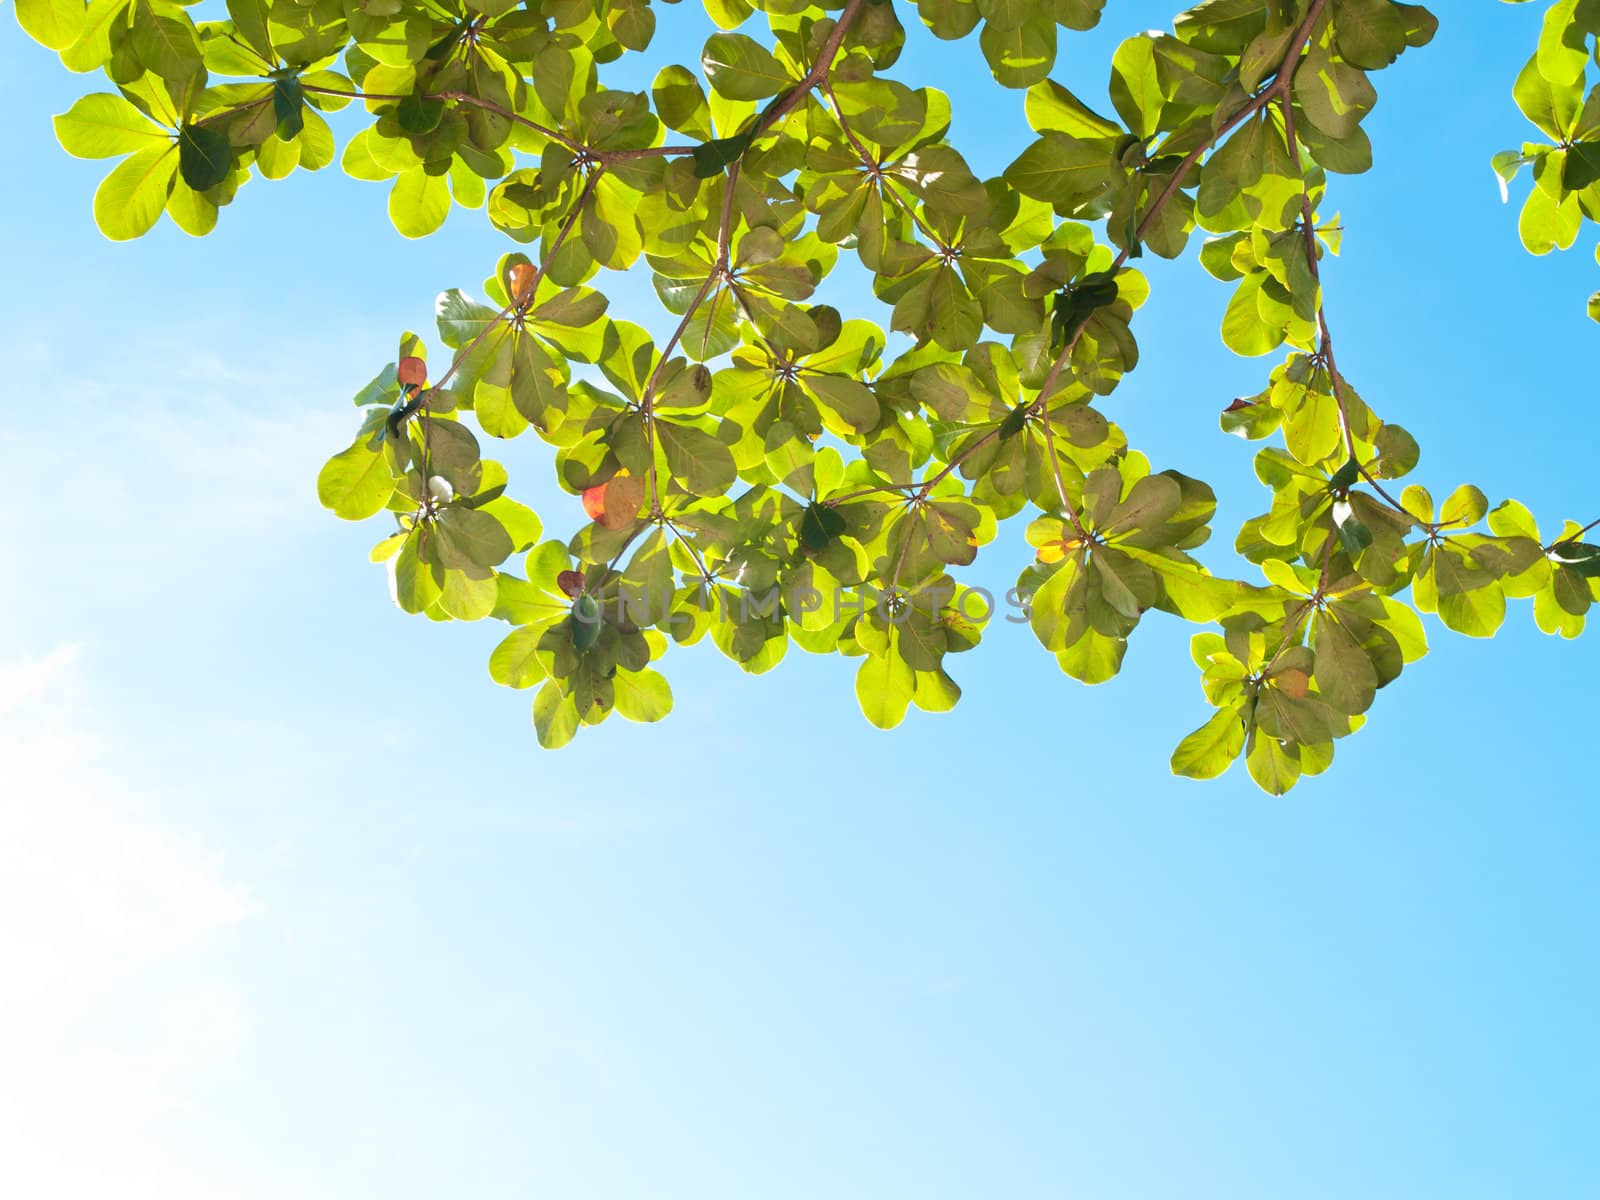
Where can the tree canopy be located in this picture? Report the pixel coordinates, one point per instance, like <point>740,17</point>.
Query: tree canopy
<point>779,472</point>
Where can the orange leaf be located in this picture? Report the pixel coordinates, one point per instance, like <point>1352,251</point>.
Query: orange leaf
<point>1293,683</point>
<point>412,371</point>
<point>614,503</point>
<point>523,277</point>
<point>1054,552</point>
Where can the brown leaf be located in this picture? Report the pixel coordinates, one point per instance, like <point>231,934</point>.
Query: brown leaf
<point>616,502</point>
<point>1293,683</point>
<point>523,277</point>
<point>412,371</point>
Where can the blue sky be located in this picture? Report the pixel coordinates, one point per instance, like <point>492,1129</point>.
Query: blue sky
<point>292,904</point>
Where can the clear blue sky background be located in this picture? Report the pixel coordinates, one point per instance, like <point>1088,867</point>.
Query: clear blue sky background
<point>294,905</point>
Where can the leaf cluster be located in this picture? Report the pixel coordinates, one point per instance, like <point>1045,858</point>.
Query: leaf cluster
<point>776,472</point>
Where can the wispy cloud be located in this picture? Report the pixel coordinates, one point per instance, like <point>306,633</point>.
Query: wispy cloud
<point>145,474</point>
<point>31,679</point>
<point>116,1009</point>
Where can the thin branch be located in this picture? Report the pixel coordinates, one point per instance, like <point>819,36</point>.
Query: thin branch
<point>627,155</point>
<point>744,311</point>
<point>647,399</point>
<point>700,563</point>
<point>886,186</point>
<point>223,113</point>
<point>1564,541</point>
<point>832,501</point>
<point>850,134</point>
<point>818,73</point>
<point>460,98</point>
<point>1308,229</point>
<point>501,111</point>
<point>721,271</point>
<point>875,172</point>
<point>589,187</point>
<point>905,546</point>
<point>1055,469</point>
<point>725,222</point>
<point>1279,86</point>
<point>555,245</point>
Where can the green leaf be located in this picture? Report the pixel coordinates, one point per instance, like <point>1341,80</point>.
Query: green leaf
<point>850,400</point>
<point>885,684</point>
<point>1273,764</point>
<point>1020,55</point>
<point>1553,108</point>
<point>1370,33</point>
<point>411,580</point>
<point>697,460</point>
<point>1465,507</point>
<point>168,47</point>
<point>1061,170</point>
<point>356,483</point>
<point>1582,557</point>
<point>1052,107</point>
<point>418,203</point>
<point>104,125</point>
<point>680,103</point>
<point>642,695</point>
<point>54,24</point>
<point>740,68</point>
<point>205,157</point>
<point>1135,87</point>
<point>468,594</point>
<point>130,199</point>
<point>515,662</point>
<point>471,537</point>
<point>191,211</point>
<point>713,157</point>
<point>729,14</point>
<point>1344,672</point>
<point>419,114</point>
<point>1346,476</point>
<point>819,525</point>
<point>555,716</point>
<point>289,109</point>
<point>1243,330</point>
<point>1210,750</point>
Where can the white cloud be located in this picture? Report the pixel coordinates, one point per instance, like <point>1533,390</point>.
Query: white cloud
<point>177,439</point>
<point>148,471</point>
<point>116,1010</point>
<point>21,682</point>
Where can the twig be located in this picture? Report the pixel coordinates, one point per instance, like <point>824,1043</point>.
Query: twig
<point>460,98</point>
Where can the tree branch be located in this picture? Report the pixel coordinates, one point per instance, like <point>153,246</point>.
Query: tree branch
<point>1282,81</point>
<point>721,270</point>
<point>460,98</point>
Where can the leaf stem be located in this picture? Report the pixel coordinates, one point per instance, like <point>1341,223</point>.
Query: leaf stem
<point>700,563</point>
<point>460,98</point>
<point>555,245</point>
<point>1308,229</point>
<point>1565,540</point>
<point>1279,86</point>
